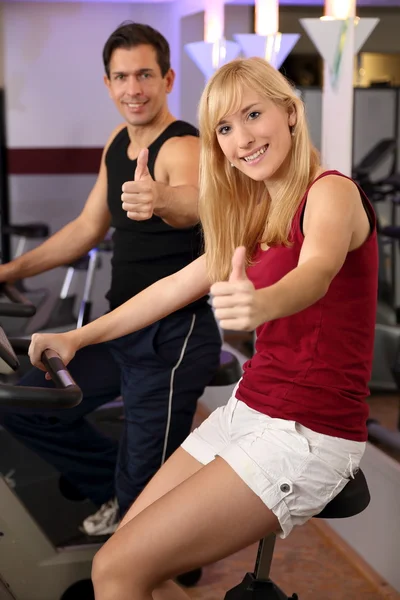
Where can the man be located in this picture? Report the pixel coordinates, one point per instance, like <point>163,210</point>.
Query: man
<point>161,371</point>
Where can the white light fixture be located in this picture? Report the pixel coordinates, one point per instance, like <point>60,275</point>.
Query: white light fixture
<point>214,20</point>
<point>339,9</point>
<point>266,17</point>
<point>215,50</point>
<point>267,41</point>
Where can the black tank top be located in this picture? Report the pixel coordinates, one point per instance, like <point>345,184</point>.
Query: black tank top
<point>144,251</point>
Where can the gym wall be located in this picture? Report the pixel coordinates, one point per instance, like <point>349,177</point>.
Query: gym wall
<point>59,114</point>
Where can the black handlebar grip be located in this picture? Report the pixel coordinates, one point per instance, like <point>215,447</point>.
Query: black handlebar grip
<point>57,370</point>
<point>65,394</point>
<point>19,305</point>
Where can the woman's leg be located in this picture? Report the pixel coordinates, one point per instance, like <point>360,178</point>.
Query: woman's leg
<point>210,514</point>
<point>179,467</point>
<point>175,470</point>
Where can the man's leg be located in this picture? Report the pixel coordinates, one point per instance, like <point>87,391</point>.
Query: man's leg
<point>165,368</point>
<point>65,438</point>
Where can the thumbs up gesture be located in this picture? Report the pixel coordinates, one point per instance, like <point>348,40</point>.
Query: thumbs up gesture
<point>235,300</point>
<point>139,197</point>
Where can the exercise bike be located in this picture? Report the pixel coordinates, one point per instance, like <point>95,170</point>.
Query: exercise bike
<point>31,567</point>
<point>51,571</point>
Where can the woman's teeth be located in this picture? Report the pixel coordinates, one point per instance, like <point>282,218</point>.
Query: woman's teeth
<point>256,154</point>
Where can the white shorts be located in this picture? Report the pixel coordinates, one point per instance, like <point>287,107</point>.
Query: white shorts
<point>294,470</point>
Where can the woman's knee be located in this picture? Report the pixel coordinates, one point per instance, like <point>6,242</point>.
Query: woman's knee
<point>106,577</point>
<point>112,569</point>
<point>103,566</point>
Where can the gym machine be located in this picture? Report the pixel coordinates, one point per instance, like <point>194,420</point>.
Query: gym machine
<point>31,567</point>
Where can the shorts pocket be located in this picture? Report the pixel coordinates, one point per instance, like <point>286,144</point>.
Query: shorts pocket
<point>279,454</point>
<point>286,439</point>
<point>340,468</point>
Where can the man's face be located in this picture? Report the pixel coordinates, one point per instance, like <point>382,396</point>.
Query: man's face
<point>136,84</point>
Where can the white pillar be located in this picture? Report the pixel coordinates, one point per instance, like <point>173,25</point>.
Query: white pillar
<point>267,42</point>
<point>214,20</point>
<point>338,94</point>
<point>338,36</point>
<point>214,51</point>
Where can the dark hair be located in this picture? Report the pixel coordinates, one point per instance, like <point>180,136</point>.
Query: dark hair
<point>130,34</point>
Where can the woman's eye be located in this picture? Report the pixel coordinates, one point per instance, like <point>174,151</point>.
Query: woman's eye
<point>254,114</point>
<point>224,129</point>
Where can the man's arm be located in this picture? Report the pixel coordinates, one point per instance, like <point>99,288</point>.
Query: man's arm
<point>73,240</point>
<point>174,195</point>
<point>177,202</point>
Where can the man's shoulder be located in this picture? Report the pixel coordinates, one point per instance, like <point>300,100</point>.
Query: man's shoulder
<point>119,133</point>
<point>180,128</point>
<point>118,136</point>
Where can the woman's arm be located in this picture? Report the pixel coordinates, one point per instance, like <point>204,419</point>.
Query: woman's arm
<point>333,219</point>
<point>155,302</point>
<point>334,223</point>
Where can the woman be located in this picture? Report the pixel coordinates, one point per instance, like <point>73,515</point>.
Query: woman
<point>290,250</point>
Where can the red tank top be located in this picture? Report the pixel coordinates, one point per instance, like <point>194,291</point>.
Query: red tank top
<point>314,367</point>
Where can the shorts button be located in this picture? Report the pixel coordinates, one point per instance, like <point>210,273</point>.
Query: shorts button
<point>285,487</point>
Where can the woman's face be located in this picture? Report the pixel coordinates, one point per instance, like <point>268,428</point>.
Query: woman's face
<point>256,139</point>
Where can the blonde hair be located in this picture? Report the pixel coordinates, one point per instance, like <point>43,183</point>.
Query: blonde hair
<point>234,209</point>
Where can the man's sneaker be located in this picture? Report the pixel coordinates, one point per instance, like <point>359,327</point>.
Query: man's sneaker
<point>105,521</point>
